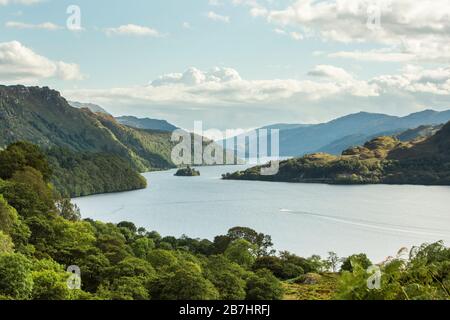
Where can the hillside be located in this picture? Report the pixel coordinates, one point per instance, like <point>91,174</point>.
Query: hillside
<point>93,107</point>
<point>419,132</point>
<point>381,160</point>
<point>77,139</point>
<point>146,123</point>
<point>335,136</point>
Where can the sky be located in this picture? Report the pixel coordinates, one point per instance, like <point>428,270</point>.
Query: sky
<point>233,63</point>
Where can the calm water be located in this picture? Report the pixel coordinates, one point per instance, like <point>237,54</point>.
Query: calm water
<point>303,218</point>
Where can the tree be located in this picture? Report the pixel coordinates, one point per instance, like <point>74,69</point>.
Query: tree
<point>111,242</point>
<point>31,177</point>
<point>133,267</point>
<point>332,261</point>
<point>220,244</point>
<point>282,269</point>
<point>50,281</point>
<point>125,288</point>
<point>307,265</point>
<point>242,252</point>
<point>16,280</point>
<point>361,259</point>
<point>142,247</point>
<point>20,155</point>
<point>159,258</point>
<point>263,285</point>
<point>68,210</point>
<point>6,244</point>
<point>186,282</point>
<point>12,225</point>
<point>227,277</point>
<point>262,242</point>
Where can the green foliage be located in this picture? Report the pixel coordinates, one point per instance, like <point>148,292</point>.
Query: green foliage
<point>227,277</point>
<point>262,242</point>
<point>6,243</point>
<point>126,288</point>
<point>160,258</point>
<point>50,281</point>
<point>263,285</point>
<point>184,282</point>
<point>68,210</point>
<point>187,172</point>
<point>312,287</point>
<point>356,259</point>
<point>241,252</point>
<point>20,155</point>
<point>16,280</point>
<point>142,247</point>
<point>423,275</point>
<point>282,268</point>
<point>80,174</point>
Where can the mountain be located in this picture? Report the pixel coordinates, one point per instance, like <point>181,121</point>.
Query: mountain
<point>285,126</point>
<point>146,123</point>
<point>91,152</point>
<point>93,107</point>
<point>81,142</point>
<point>42,116</point>
<point>419,133</point>
<point>335,136</point>
<point>387,160</point>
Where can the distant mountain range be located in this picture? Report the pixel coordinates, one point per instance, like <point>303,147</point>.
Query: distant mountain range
<point>335,136</point>
<point>130,121</point>
<point>387,160</point>
<point>146,123</point>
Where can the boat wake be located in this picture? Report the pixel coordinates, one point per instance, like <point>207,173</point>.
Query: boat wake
<point>435,232</point>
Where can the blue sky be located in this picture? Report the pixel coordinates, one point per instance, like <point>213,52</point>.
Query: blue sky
<point>233,63</point>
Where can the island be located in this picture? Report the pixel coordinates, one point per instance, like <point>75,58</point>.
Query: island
<point>187,172</point>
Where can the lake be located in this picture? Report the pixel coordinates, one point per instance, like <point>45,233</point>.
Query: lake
<point>302,218</point>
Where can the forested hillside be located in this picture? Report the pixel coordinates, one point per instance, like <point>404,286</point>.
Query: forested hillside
<point>382,160</point>
<point>90,152</point>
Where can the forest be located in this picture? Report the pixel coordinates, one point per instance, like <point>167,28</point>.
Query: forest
<point>42,235</point>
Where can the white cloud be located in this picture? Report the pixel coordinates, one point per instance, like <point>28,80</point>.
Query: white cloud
<point>21,64</point>
<point>215,3</point>
<point>416,79</point>
<point>194,76</point>
<point>44,26</point>
<point>330,72</point>
<point>410,30</point>
<point>221,86</point>
<point>186,25</point>
<point>133,30</point>
<point>25,2</point>
<point>222,97</point>
<point>380,55</point>
<point>294,35</point>
<point>217,17</point>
